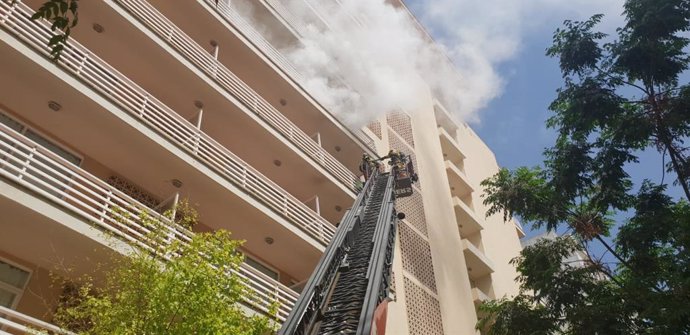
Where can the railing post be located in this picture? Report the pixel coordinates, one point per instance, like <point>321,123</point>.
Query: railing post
<point>81,64</point>
<point>106,205</point>
<point>175,201</point>
<point>10,12</point>
<point>216,48</point>
<point>214,70</point>
<point>197,139</point>
<point>197,135</point>
<point>144,104</point>
<point>170,34</point>
<point>256,105</point>
<point>25,166</point>
<point>285,205</point>
<point>276,298</point>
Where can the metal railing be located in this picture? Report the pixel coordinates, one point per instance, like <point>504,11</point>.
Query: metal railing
<point>108,209</point>
<point>216,71</point>
<point>13,320</point>
<point>287,15</point>
<point>292,19</point>
<point>131,98</point>
<point>231,16</point>
<point>234,18</point>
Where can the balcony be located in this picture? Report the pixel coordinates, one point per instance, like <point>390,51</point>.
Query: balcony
<point>151,113</point>
<point>19,323</point>
<point>459,185</point>
<point>451,150</point>
<point>518,228</point>
<point>100,207</point>
<point>284,15</point>
<point>280,78</point>
<point>444,119</point>
<point>248,99</point>
<point>478,264</point>
<point>479,297</point>
<point>179,84</point>
<point>468,223</point>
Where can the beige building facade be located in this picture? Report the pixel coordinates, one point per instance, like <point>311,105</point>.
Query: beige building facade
<point>154,101</point>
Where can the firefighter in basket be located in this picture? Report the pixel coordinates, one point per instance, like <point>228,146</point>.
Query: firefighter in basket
<point>401,168</point>
<point>401,165</point>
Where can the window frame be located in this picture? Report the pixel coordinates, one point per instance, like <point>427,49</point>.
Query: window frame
<point>19,292</point>
<point>26,127</point>
<point>264,264</point>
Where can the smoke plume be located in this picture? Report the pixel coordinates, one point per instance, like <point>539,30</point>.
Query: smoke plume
<point>365,58</point>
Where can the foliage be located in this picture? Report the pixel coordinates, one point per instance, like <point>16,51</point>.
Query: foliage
<point>63,16</point>
<point>174,287</point>
<point>621,95</point>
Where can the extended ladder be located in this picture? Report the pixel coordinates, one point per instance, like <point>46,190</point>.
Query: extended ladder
<point>353,276</point>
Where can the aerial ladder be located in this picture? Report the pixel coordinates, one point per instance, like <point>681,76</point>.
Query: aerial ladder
<point>347,292</point>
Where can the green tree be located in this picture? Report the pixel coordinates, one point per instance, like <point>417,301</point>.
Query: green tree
<point>621,96</point>
<point>167,287</point>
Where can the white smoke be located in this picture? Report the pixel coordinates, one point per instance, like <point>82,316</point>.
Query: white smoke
<point>381,54</point>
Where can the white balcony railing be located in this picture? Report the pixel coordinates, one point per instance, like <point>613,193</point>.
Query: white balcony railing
<point>100,76</point>
<point>292,19</point>
<point>24,324</point>
<point>286,15</point>
<point>26,163</point>
<point>234,18</point>
<point>216,71</point>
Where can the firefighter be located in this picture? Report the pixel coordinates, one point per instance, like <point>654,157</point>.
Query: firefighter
<point>367,166</point>
<point>396,159</point>
<point>400,161</point>
<point>410,169</point>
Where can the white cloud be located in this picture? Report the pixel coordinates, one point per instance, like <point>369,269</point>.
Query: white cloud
<point>382,59</point>
<point>479,35</point>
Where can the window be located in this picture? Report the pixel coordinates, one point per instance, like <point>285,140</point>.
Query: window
<point>13,280</point>
<point>261,267</point>
<point>46,143</point>
<point>39,139</point>
<point>6,120</point>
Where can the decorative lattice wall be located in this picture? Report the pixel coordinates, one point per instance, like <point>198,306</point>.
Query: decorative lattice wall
<point>133,191</point>
<point>423,311</point>
<point>400,123</point>
<point>375,128</point>
<point>414,211</point>
<point>419,284</point>
<point>416,256</point>
<point>370,143</point>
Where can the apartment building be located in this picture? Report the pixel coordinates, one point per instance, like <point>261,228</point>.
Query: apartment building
<point>154,101</point>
